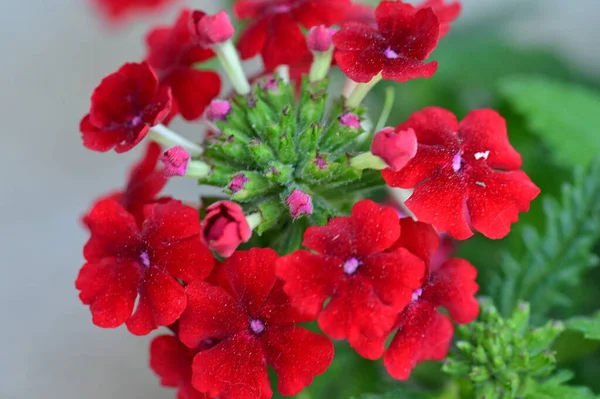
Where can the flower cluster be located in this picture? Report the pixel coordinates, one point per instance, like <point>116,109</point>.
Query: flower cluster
<point>298,168</point>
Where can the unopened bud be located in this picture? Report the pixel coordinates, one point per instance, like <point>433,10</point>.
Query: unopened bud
<point>175,160</point>
<point>212,29</point>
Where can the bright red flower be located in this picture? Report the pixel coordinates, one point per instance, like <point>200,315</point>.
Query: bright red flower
<point>172,362</point>
<point>172,52</point>
<point>124,107</point>
<point>125,262</point>
<point>145,182</point>
<point>464,174</point>
<point>403,39</point>
<point>275,31</point>
<point>118,9</point>
<point>446,13</point>
<point>423,332</point>
<point>255,325</point>
<point>351,263</point>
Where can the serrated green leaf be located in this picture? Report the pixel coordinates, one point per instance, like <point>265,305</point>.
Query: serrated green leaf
<point>565,116</point>
<point>589,326</point>
<point>557,260</point>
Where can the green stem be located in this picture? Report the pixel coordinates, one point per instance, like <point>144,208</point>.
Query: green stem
<point>254,220</point>
<point>197,169</point>
<point>390,95</point>
<point>361,91</point>
<point>367,161</point>
<point>230,60</point>
<point>321,65</point>
<point>163,135</point>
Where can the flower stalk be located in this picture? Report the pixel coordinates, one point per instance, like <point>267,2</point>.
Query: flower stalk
<point>165,136</point>
<point>230,60</point>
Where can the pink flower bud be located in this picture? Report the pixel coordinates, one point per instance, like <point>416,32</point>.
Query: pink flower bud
<point>218,110</point>
<point>300,203</point>
<point>212,29</point>
<point>350,120</point>
<point>225,227</point>
<point>176,160</point>
<point>319,38</point>
<point>237,183</point>
<point>396,148</point>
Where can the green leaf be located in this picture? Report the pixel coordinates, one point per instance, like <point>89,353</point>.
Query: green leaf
<point>589,326</point>
<point>565,116</point>
<point>556,261</point>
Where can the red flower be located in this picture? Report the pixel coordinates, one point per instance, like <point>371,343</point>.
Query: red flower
<point>275,31</point>
<point>145,182</point>
<point>118,9</point>
<point>124,107</point>
<point>225,227</point>
<point>125,262</point>
<point>351,263</point>
<point>446,13</point>
<point>423,332</point>
<point>404,38</point>
<point>172,362</point>
<point>172,52</point>
<point>255,325</point>
<point>464,174</point>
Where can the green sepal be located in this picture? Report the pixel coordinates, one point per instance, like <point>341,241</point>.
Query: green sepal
<point>230,151</point>
<point>313,99</point>
<point>271,211</point>
<point>279,173</point>
<point>261,153</point>
<point>256,186</point>
<point>307,141</point>
<point>279,97</point>
<point>220,175</point>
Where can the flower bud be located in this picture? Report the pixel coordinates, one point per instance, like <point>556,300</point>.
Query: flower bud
<point>225,227</point>
<point>319,38</point>
<point>300,203</point>
<point>175,160</point>
<point>396,148</point>
<point>350,120</point>
<point>212,29</point>
<point>218,110</point>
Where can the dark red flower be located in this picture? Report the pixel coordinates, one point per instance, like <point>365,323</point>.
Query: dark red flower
<point>403,39</point>
<point>464,174</point>
<point>275,31</point>
<point>118,9</point>
<point>124,107</point>
<point>446,13</point>
<point>172,362</point>
<point>254,325</point>
<point>423,333</point>
<point>145,182</point>
<point>351,263</point>
<point>225,227</point>
<point>125,262</point>
<point>172,52</point>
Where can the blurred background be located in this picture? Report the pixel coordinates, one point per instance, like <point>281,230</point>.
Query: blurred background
<point>55,52</point>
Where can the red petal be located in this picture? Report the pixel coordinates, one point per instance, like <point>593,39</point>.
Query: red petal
<point>161,302</point>
<point>309,279</point>
<point>193,90</point>
<point>357,36</point>
<point>495,199</point>
<point>453,287</point>
<point>317,12</point>
<point>434,126</point>
<point>376,228</point>
<point>171,361</point>
<point>110,288</point>
<point>168,222</point>
<point>424,334</point>
<point>253,39</point>
<point>441,201</point>
<point>394,276</point>
<point>211,313</point>
<point>297,355</point>
<point>234,368</point>
<point>334,239</point>
<point>96,139</point>
<point>358,315</point>
<point>249,276</point>
<point>419,238</point>
<point>404,69</point>
<point>419,38</point>
<point>278,309</point>
<point>428,161</point>
<point>286,44</point>
<point>188,260</point>
<point>392,16</point>
<point>113,233</point>
<point>485,130</point>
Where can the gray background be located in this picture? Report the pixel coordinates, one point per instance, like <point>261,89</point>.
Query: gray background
<point>53,53</point>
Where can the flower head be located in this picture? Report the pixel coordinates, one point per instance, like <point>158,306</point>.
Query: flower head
<point>396,148</point>
<point>465,175</point>
<point>256,326</point>
<point>212,29</point>
<point>124,107</point>
<point>125,262</point>
<point>351,263</point>
<point>172,52</point>
<point>225,227</point>
<point>275,30</point>
<point>403,39</point>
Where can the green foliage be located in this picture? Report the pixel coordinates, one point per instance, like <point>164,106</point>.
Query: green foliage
<point>557,260</point>
<point>565,116</point>
<point>589,326</point>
